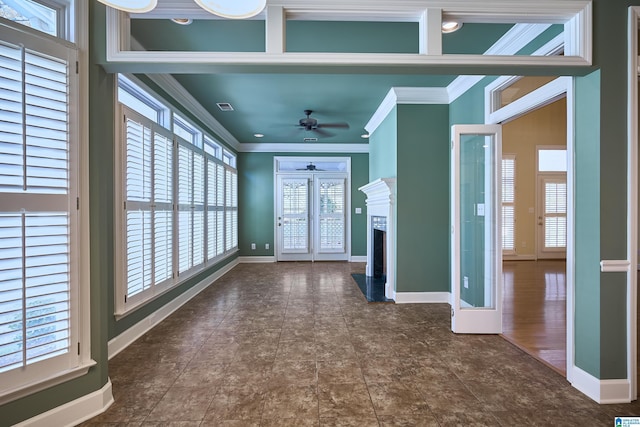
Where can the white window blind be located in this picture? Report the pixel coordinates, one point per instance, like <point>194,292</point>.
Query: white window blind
<point>332,214</point>
<point>231,209</point>
<point>508,203</point>
<point>295,214</point>
<point>38,217</point>
<point>191,194</point>
<point>148,205</point>
<point>180,204</point>
<point>555,206</point>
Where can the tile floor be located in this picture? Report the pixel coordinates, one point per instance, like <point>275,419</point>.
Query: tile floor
<point>296,344</point>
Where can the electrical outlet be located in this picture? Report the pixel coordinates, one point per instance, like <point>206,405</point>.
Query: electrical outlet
<point>266,246</point>
<point>253,246</point>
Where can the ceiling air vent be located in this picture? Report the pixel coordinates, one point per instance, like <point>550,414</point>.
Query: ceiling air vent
<point>310,139</point>
<point>224,106</point>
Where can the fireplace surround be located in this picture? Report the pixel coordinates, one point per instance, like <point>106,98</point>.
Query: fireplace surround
<point>380,210</point>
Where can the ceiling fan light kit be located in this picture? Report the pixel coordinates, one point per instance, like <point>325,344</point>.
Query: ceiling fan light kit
<point>232,9</point>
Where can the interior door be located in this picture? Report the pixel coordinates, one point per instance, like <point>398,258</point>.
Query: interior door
<point>294,218</point>
<point>475,234</point>
<point>552,218</point>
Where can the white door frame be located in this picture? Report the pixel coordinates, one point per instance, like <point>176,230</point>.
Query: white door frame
<point>552,91</point>
<point>312,159</point>
<point>632,196</point>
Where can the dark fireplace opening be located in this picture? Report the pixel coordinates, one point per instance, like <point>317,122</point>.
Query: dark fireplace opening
<point>379,225</point>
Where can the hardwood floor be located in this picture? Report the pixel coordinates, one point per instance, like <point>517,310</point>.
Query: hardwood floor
<point>535,309</point>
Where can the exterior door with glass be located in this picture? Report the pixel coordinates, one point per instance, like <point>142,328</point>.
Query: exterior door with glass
<point>311,217</point>
<point>552,218</point>
<point>476,243</point>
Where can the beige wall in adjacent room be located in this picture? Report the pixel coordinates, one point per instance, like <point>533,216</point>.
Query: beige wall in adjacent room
<point>544,126</point>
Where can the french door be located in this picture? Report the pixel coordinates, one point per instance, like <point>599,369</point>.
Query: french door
<point>311,217</point>
<point>552,218</point>
<point>476,243</point>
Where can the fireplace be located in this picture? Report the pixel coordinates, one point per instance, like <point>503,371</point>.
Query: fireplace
<point>381,232</point>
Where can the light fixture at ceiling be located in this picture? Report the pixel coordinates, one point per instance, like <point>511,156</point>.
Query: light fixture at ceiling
<point>182,21</point>
<point>258,135</point>
<point>132,6</point>
<point>364,136</point>
<point>233,9</point>
<point>451,26</point>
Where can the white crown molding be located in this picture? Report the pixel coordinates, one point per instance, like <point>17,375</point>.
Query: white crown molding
<point>406,95</point>
<point>180,94</point>
<point>511,43</point>
<point>302,148</point>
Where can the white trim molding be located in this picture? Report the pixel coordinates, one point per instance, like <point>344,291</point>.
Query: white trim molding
<point>381,199</point>
<point>602,391</point>
<point>358,258</point>
<point>74,412</point>
<point>337,148</point>
<point>256,259</point>
<point>423,297</point>
<point>122,341</point>
<point>576,16</point>
<point>406,95</point>
<point>614,265</point>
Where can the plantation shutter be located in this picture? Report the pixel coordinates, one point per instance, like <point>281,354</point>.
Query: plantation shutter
<point>220,187</point>
<point>332,214</point>
<point>148,205</point>
<point>555,215</point>
<point>508,203</point>
<point>191,187</point>
<point>231,209</point>
<point>37,282</point>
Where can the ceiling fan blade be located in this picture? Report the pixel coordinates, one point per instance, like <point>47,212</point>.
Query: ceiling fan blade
<point>323,132</point>
<point>341,125</point>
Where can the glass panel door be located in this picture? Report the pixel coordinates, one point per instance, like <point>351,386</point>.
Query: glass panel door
<point>331,214</point>
<point>552,221</point>
<point>293,220</point>
<point>476,225</point>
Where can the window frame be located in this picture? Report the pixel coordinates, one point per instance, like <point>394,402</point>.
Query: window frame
<point>511,157</point>
<point>80,361</point>
<point>195,147</point>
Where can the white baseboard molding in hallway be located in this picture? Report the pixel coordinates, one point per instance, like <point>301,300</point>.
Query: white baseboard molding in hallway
<point>422,297</point>
<point>602,391</point>
<point>256,259</point>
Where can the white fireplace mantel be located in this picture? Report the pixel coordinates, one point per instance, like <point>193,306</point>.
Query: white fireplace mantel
<point>381,195</point>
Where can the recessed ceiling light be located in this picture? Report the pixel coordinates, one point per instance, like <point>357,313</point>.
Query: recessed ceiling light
<point>182,21</point>
<point>451,26</point>
<point>258,135</point>
<point>364,135</point>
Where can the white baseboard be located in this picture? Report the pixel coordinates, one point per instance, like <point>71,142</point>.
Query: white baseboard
<point>358,258</point>
<point>122,341</point>
<point>602,391</point>
<point>74,412</point>
<point>422,297</point>
<point>519,258</point>
<point>256,259</point>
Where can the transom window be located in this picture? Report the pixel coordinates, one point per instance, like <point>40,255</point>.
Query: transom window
<point>45,16</point>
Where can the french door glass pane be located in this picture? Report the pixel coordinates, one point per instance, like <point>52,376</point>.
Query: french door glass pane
<point>476,228</point>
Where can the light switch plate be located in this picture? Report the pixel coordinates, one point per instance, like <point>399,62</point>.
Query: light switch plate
<point>358,211</point>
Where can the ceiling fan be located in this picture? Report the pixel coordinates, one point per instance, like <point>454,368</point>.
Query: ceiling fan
<point>311,124</point>
<point>310,167</point>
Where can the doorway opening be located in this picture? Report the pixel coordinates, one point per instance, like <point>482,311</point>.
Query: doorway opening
<point>312,221</point>
<point>535,230</point>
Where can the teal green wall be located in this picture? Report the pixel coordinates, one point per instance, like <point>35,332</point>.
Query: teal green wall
<point>383,148</point>
<point>256,201</point>
<point>587,224</point>
<point>422,214</point>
